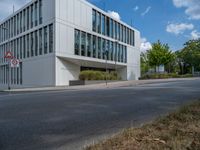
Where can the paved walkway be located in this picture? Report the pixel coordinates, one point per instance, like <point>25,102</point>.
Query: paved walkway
<point>101,85</point>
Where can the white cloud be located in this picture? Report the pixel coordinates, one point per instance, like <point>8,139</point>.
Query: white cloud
<point>145,45</point>
<point>136,8</point>
<point>195,35</point>
<point>6,7</point>
<point>114,15</point>
<point>192,7</point>
<point>179,28</point>
<point>146,11</point>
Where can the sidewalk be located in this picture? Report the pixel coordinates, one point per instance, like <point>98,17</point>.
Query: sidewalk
<point>101,85</point>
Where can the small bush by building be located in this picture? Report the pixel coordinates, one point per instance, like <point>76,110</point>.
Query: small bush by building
<point>98,75</point>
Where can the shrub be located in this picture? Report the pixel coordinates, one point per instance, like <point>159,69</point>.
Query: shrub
<point>98,75</point>
<point>164,76</point>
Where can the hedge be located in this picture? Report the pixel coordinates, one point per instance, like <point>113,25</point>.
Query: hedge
<point>164,76</point>
<point>98,75</point>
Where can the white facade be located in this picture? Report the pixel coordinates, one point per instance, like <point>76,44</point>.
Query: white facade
<point>55,39</point>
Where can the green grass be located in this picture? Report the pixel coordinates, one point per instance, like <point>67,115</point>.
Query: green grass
<point>177,131</point>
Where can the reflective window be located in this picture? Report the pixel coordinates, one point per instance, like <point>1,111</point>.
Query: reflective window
<point>40,11</point>
<point>36,13</point>
<point>45,40</point>
<point>103,24</point>
<point>40,42</point>
<point>21,22</point>
<point>107,26</point>
<point>98,22</point>
<point>32,43</point>
<point>32,19</point>
<point>27,18</point>
<point>99,48</point>
<point>89,45</point>
<point>51,38</point>
<point>111,28</point>
<point>77,42</point>
<point>83,43</point>
<point>28,45</point>
<point>36,43</point>
<point>94,20</point>
<point>94,46</point>
<point>24,47</point>
<point>103,48</point>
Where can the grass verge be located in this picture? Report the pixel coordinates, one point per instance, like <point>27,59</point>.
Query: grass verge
<point>177,131</point>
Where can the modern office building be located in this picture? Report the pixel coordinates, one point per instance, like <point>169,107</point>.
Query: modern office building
<point>56,39</point>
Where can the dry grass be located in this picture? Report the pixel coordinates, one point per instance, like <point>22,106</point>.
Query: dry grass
<point>177,131</point>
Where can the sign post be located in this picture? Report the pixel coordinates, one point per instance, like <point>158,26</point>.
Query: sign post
<point>8,56</point>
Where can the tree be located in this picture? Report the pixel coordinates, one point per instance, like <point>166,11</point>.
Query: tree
<point>190,56</point>
<point>160,54</point>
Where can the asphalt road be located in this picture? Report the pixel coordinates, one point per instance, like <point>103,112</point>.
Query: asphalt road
<point>62,120</point>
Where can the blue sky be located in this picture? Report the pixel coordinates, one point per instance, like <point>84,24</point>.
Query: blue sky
<point>171,21</point>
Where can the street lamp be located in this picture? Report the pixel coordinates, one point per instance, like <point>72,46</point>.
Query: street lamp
<point>8,75</point>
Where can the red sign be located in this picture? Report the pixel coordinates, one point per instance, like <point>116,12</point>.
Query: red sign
<point>8,55</point>
<point>14,63</point>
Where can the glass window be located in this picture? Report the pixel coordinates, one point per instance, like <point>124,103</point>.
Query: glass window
<point>45,40</point>
<point>119,53</point>
<point>111,28</point>
<point>107,26</point>
<point>118,31</point>
<point>99,48</point>
<point>121,33</point>
<point>83,43</point>
<point>98,22</point>
<point>27,21</point>
<point>94,46</point>
<point>116,52</point>
<point>32,19</point>
<point>36,43</point>
<point>24,18</point>
<point>89,45</point>
<point>17,24</point>
<point>21,22</point>
<point>27,45</point>
<point>40,42</point>
<point>94,20</point>
<point>40,11</point>
<point>112,51</point>
<point>103,48</point>
<point>24,49</point>
<point>36,22</point>
<point>124,34</point>
<point>103,24</point>
<point>128,36</point>
<point>133,38</point>
<point>21,48</point>
<point>32,44</point>
<point>51,38</point>
<point>77,42</point>
<point>114,24</point>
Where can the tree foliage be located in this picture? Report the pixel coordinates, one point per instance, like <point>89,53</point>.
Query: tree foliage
<point>160,54</point>
<point>190,55</point>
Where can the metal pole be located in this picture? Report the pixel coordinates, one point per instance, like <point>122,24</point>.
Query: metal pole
<point>8,75</point>
<point>106,68</point>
